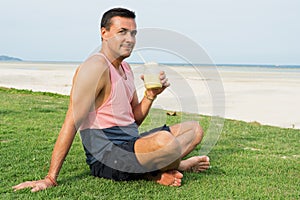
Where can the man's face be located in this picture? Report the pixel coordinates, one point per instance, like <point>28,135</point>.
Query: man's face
<point>120,39</point>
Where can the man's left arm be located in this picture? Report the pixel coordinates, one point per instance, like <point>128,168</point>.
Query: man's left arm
<point>141,109</point>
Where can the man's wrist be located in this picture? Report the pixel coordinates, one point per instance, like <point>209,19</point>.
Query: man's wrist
<point>150,98</point>
<point>52,180</point>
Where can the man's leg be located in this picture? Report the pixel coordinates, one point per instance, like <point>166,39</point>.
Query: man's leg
<point>188,134</point>
<point>160,151</point>
<point>164,150</point>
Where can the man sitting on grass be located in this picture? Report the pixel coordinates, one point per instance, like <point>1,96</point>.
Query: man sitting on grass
<point>105,108</point>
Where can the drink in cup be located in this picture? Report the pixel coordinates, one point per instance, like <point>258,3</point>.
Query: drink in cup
<point>151,75</point>
<point>152,81</point>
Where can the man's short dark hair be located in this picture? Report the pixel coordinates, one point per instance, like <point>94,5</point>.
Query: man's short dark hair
<point>120,12</point>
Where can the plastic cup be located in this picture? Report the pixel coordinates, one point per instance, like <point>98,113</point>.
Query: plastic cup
<point>152,81</point>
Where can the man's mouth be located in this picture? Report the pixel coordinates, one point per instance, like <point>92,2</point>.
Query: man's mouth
<point>127,46</point>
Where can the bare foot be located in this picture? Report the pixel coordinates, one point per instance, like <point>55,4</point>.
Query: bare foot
<point>170,178</point>
<point>194,164</point>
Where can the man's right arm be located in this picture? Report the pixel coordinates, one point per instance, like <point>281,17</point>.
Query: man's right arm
<point>61,149</point>
<point>87,84</point>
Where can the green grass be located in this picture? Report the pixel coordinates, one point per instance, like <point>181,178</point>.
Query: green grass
<point>250,161</point>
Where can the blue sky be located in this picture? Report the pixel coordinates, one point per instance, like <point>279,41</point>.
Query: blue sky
<point>230,31</point>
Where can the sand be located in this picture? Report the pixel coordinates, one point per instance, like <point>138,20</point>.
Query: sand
<point>266,96</point>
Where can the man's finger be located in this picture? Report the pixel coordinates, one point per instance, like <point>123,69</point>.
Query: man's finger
<point>24,185</point>
<point>162,76</point>
<point>142,77</point>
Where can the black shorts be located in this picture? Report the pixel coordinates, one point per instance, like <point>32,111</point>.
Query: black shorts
<point>127,160</point>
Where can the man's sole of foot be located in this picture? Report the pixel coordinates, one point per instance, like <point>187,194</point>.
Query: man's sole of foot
<point>170,178</point>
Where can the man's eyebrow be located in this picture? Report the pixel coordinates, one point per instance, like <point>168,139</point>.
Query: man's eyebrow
<point>134,31</point>
<point>124,29</point>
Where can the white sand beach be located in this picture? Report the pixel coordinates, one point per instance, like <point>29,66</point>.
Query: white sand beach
<point>268,96</point>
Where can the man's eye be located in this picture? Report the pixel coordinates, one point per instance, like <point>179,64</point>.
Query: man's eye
<point>133,33</point>
<point>123,32</point>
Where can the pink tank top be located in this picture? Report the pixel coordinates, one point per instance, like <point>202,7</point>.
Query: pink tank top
<point>116,110</point>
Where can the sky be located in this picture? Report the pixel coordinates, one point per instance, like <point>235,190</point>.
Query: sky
<point>230,31</point>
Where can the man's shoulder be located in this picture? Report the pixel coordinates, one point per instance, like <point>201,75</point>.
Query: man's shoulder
<point>96,59</point>
<point>95,62</point>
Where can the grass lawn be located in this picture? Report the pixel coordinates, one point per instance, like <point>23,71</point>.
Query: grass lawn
<point>250,161</point>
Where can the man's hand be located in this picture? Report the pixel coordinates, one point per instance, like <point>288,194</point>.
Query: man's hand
<point>36,185</point>
<point>164,82</point>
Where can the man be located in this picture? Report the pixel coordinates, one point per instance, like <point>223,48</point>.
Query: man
<point>105,108</point>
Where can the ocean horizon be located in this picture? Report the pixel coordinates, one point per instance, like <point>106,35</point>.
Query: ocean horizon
<point>273,66</point>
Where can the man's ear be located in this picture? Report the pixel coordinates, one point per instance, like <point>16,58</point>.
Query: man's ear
<point>103,32</point>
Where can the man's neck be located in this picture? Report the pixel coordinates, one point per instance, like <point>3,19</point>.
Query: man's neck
<point>116,62</point>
